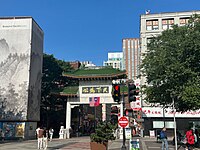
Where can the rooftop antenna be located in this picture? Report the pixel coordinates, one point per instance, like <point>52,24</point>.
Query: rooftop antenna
<point>147,12</point>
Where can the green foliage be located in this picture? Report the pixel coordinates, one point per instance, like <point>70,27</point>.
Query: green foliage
<point>52,80</point>
<point>103,133</point>
<point>172,67</point>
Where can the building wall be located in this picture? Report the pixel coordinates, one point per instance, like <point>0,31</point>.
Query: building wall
<point>152,25</point>
<point>115,60</point>
<point>131,54</point>
<point>105,95</point>
<point>35,73</point>
<point>182,125</point>
<point>19,83</point>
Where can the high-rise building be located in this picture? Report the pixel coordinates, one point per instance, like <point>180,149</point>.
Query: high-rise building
<point>21,48</point>
<point>131,54</point>
<point>115,59</point>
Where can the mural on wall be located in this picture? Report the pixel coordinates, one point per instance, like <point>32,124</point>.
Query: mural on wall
<point>13,94</point>
<point>16,93</point>
<point>19,129</point>
<point>12,129</point>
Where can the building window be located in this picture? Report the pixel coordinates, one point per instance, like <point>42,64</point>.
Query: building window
<point>152,24</point>
<point>183,21</point>
<point>167,24</point>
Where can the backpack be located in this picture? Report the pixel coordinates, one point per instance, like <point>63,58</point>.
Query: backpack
<point>162,135</point>
<point>190,137</point>
<point>40,133</point>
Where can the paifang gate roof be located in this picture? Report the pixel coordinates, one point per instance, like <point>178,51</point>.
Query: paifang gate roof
<point>97,73</point>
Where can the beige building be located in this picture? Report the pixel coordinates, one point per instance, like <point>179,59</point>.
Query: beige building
<point>152,25</point>
<point>131,54</point>
<point>156,117</point>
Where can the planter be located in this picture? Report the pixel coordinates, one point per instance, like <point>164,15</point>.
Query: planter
<point>98,146</point>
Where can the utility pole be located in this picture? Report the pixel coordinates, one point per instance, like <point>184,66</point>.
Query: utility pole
<point>174,113</point>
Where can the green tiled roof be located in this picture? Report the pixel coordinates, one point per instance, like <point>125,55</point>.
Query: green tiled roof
<point>70,90</point>
<point>106,71</point>
<point>67,90</point>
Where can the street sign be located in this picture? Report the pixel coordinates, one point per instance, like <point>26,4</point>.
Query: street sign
<point>123,122</point>
<point>134,144</point>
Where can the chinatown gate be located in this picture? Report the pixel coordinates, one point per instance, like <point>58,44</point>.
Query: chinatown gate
<point>91,100</point>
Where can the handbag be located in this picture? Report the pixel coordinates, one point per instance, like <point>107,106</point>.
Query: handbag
<point>184,140</point>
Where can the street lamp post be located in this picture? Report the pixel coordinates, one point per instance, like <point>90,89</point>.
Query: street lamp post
<point>47,121</point>
<point>174,113</point>
<point>164,115</point>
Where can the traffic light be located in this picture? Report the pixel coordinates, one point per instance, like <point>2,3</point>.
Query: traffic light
<point>132,92</point>
<point>129,112</point>
<point>116,93</point>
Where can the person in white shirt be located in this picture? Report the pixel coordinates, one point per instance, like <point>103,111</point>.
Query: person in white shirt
<point>51,133</point>
<point>40,134</point>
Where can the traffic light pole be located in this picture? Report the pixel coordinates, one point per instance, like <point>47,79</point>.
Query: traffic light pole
<point>123,106</point>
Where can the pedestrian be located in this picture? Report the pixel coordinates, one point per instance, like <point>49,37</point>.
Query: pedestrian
<point>197,138</point>
<point>190,139</point>
<point>51,133</point>
<point>163,137</point>
<point>40,134</point>
<point>45,138</point>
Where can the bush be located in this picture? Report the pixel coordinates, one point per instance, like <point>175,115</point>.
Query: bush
<point>103,132</point>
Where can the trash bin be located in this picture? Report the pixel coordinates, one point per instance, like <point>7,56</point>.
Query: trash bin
<point>152,133</point>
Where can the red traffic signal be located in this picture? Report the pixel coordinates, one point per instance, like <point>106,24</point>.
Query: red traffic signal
<point>116,93</point>
<point>116,87</point>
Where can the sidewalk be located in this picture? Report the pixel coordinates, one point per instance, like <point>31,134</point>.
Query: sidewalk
<point>78,143</point>
<point>117,144</point>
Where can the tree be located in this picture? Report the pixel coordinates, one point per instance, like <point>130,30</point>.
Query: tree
<point>103,133</point>
<point>172,67</point>
<point>52,80</point>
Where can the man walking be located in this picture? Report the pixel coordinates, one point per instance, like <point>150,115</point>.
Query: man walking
<point>163,137</point>
<point>51,133</point>
<point>45,139</point>
<point>40,133</point>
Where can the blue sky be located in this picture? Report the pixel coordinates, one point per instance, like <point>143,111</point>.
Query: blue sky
<point>89,29</point>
